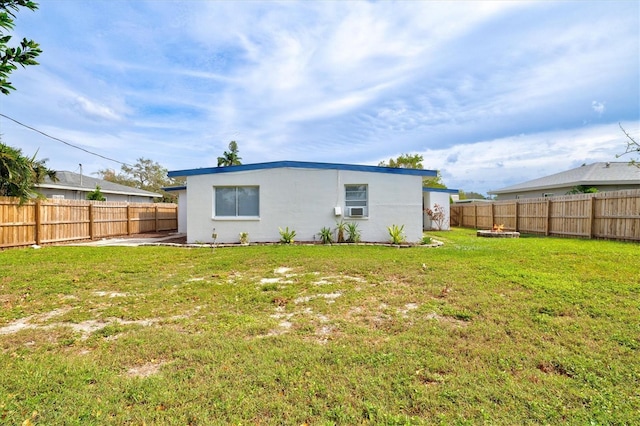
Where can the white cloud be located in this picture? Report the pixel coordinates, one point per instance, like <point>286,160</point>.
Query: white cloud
<point>493,164</point>
<point>598,107</point>
<point>94,109</point>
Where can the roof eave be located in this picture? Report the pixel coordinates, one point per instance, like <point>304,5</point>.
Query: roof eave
<point>104,191</point>
<point>564,185</point>
<point>302,165</point>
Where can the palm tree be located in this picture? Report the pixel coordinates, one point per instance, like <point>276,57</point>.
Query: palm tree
<point>19,174</point>
<point>230,158</point>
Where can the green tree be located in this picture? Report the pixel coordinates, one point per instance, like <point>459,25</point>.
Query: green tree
<point>96,195</point>
<point>19,174</point>
<point>581,189</point>
<point>633,146</point>
<point>230,158</point>
<point>11,57</point>
<point>414,161</point>
<point>471,195</point>
<point>145,174</point>
<point>404,161</point>
<point>434,182</point>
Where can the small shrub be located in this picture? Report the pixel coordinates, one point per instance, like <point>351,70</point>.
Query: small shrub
<point>341,227</point>
<point>396,233</point>
<point>426,240</point>
<point>437,215</point>
<point>326,235</point>
<point>353,233</point>
<point>286,236</point>
<point>244,238</point>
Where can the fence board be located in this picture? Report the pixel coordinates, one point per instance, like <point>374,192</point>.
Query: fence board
<point>609,215</point>
<point>52,220</point>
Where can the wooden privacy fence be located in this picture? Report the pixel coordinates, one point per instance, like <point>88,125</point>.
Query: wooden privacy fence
<point>52,221</point>
<point>611,215</point>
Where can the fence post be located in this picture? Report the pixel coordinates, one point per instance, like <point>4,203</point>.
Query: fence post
<point>128,219</point>
<point>493,215</point>
<point>91,220</point>
<point>38,217</point>
<point>517,225</point>
<point>475,216</point>
<point>548,220</point>
<point>592,215</point>
<point>157,224</point>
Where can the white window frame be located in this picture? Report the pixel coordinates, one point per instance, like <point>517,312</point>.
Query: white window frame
<point>356,202</point>
<point>237,216</point>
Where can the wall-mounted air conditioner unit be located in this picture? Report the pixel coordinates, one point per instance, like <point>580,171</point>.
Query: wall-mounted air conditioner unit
<point>356,211</point>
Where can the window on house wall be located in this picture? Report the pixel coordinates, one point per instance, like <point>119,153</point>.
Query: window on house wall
<point>356,201</point>
<point>237,201</point>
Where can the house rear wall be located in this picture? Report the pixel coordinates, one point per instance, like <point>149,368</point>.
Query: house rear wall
<point>304,200</point>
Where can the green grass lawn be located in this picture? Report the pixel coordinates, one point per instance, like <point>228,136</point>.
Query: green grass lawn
<point>494,331</point>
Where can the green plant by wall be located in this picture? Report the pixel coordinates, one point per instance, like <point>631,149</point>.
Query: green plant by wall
<point>397,234</point>
<point>326,235</point>
<point>341,227</point>
<point>96,195</point>
<point>244,238</point>
<point>353,233</point>
<point>286,235</point>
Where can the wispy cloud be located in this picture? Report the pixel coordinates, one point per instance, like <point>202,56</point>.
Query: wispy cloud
<point>598,107</point>
<point>493,164</point>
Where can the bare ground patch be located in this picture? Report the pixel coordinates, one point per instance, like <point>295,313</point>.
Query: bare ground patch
<point>145,370</point>
<point>84,328</point>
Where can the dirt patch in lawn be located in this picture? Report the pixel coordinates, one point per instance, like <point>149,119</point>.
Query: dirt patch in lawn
<point>145,370</point>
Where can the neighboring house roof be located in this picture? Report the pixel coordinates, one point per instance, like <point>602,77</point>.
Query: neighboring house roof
<point>472,200</point>
<point>613,173</point>
<point>77,182</point>
<point>301,165</point>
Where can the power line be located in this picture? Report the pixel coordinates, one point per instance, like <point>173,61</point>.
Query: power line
<point>64,142</point>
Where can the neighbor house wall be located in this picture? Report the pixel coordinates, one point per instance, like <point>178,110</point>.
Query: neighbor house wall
<point>559,191</point>
<point>304,200</point>
<point>74,194</point>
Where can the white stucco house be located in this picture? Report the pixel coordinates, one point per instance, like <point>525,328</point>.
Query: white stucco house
<point>304,196</point>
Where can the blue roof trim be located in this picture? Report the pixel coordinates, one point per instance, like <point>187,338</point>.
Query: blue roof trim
<point>301,165</point>
<point>445,190</point>
<point>175,188</point>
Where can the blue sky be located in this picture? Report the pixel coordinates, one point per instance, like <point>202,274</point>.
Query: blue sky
<point>490,93</point>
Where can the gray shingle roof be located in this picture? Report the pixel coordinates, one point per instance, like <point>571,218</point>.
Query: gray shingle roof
<point>613,173</point>
<point>75,181</point>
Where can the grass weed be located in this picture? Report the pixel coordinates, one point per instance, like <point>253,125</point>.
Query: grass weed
<point>495,331</point>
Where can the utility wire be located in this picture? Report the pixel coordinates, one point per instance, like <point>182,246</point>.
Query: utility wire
<point>64,142</point>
